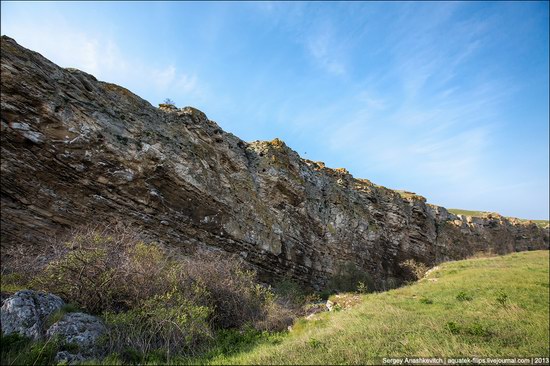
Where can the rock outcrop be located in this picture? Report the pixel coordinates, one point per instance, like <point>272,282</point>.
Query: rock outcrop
<point>82,332</point>
<point>30,314</point>
<point>26,312</point>
<point>77,150</point>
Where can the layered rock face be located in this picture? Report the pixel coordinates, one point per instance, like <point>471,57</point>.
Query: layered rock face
<point>76,150</point>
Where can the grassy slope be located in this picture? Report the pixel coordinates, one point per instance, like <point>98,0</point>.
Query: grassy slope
<point>402,322</point>
<point>457,211</point>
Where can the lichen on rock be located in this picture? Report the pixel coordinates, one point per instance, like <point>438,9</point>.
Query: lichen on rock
<point>102,154</point>
<point>26,311</point>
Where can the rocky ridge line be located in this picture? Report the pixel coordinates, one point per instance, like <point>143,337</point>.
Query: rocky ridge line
<point>77,150</point>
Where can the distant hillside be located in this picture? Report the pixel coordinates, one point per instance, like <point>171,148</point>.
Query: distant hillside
<point>457,211</point>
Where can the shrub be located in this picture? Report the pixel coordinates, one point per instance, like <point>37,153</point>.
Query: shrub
<point>362,287</point>
<point>112,269</point>
<point>427,301</point>
<point>290,290</point>
<point>169,101</point>
<point>102,269</point>
<point>21,263</point>
<point>292,300</point>
<point>477,329</point>
<point>413,270</point>
<point>152,302</point>
<point>234,294</point>
<point>315,343</point>
<point>278,317</point>
<point>167,323</point>
<point>453,327</point>
<point>325,293</point>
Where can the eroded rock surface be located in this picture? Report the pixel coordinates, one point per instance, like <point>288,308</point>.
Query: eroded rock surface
<point>76,150</point>
<point>80,330</point>
<point>26,312</point>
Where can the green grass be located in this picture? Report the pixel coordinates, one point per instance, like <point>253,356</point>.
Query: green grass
<point>541,223</point>
<point>456,211</point>
<point>407,194</point>
<point>13,282</point>
<point>490,307</point>
<point>19,350</point>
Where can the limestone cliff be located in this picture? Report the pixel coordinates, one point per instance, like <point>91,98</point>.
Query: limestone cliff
<point>77,150</point>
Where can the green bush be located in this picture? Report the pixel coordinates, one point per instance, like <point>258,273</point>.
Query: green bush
<point>427,301</point>
<point>165,324</point>
<point>234,295</point>
<point>477,329</point>
<point>502,299</point>
<point>289,289</point>
<point>453,327</point>
<point>105,269</point>
<point>154,303</point>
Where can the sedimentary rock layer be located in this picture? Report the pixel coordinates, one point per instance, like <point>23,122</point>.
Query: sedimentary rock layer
<point>76,150</point>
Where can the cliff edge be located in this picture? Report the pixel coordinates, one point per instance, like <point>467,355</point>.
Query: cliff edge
<point>77,150</point>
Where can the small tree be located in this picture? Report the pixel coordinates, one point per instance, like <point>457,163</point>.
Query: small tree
<point>169,102</point>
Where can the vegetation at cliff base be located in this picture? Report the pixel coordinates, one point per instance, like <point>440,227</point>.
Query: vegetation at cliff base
<point>164,309</point>
<point>155,305</point>
<point>487,307</point>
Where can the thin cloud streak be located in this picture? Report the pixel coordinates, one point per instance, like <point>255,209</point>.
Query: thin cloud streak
<point>445,99</point>
<point>102,57</point>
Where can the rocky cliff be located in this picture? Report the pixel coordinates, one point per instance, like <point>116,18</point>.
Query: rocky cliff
<point>77,150</point>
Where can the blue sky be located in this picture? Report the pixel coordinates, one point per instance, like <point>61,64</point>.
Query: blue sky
<point>449,100</point>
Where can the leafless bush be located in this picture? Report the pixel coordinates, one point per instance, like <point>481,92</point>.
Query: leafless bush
<point>277,316</point>
<point>234,294</point>
<point>413,270</point>
<point>25,259</point>
<point>22,263</point>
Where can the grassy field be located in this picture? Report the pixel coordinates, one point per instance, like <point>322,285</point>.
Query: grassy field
<point>487,307</point>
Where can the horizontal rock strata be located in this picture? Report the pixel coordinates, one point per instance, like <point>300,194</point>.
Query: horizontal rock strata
<point>77,150</point>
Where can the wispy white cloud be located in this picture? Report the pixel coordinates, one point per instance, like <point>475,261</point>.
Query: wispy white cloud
<point>371,101</point>
<point>442,128</point>
<point>418,118</point>
<point>326,52</point>
<point>316,34</point>
<point>101,56</point>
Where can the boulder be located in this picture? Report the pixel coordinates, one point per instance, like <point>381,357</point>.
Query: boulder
<point>82,332</point>
<point>315,308</point>
<point>26,311</point>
